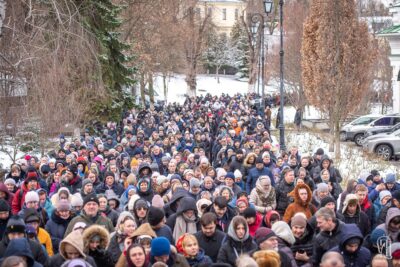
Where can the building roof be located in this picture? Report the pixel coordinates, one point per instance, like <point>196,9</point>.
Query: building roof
<point>395,29</point>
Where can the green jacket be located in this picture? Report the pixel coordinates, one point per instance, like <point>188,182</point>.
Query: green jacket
<point>104,221</point>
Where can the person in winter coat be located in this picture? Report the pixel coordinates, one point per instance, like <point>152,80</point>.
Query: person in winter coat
<point>384,200</point>
<point>253,219</point>
<point>71,180</point>
<point>326,164</point>
<point>283,188</point>
<point>110,184</point>
<point>144,189</point>
<point>302,248</point>
<point>5,213</point>
<point>366,206</point>
<point>238,242</point>
<point>285,239</point>
<point>44,202</point>
<point>58,223</point>
<point>20,247</point>
<point>188,246</point>
<point>30,184</point>
<point>5,194</point>
<point>16,228</point>
<point>329,235</point>
<point>156,219</point>
<point>185,220</point>
<point>302,196</point>
<point>210,238</point>
<point>350,247</point>
<point>71,247</point>
<point>135,256</point>
<point>392,224</point>
<point>321,192</point>
<point>330,203</point>
<point>352,213</point>
<point>62,193</point>
<point>106,211</point>
<point>90,215</point>
<point>32,202</point>
<point>263,196</point>
<point>95,241</point>
<point>161,251</point>
<point>172,206</point>
<point>256,172</point>
<point>140,210</point>
<point>395,202</point>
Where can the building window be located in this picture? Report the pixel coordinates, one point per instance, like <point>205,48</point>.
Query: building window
<point>236,14</point>
<point>224,14</point>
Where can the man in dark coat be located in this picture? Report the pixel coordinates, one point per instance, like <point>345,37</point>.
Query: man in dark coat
<point>350,247</point>
<point>256,172</point>
<point>20,247</point>
<point>210,238</point>
<point>329,235</point>
<point>16,229</point>
<point>283,188</point>
<point>73,182</point>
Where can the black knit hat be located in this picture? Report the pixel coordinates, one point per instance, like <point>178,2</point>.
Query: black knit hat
<point>320,152</point>
<point>90,198</point>
<point>259,160</point>
<point>327,200</point>
<point>108,173</point>
<point>4,206</point>
<point>15,225</point>
<point>73,169</point>
<point>155,216</point>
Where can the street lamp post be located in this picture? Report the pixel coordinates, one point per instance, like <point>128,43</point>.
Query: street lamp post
<point>281,89</point>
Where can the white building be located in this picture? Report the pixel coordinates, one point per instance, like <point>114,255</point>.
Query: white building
<point>392,34</point>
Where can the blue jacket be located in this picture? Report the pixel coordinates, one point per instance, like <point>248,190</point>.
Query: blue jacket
<point>252,178</point>
<point>360,258</point>
<point>20,247</point>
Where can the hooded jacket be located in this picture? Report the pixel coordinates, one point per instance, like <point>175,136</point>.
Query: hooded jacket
<point>9,196</point>
<point>282,198</point>
<point>171,207</point>
<point>101,256</point>
<point>298,205</point>
<point>20,247</point>
<point>253,176</point>
<point>36,249</point>
<point>334,177</point>
<point>359,218</point>
<point>73,239</point>
<point>362,256</point>
<point>304,243</point>
<point>263,200</point>
<point>392,233</point>
<point>233,246</point>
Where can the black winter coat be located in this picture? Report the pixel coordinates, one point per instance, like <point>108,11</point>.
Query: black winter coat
<point>37,250</point>
<point>56,228</point>
<point>211,245</point>
<point>282,190</point>
<point>324,241</point>
<point>232,249</point>
<point>304,243</point>
<point>361,220</point>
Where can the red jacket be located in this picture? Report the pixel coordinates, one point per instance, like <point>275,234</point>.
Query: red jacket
<point>253,227</point>
<point>19,198</point>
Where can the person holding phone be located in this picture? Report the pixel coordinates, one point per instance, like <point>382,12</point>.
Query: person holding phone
<point>303,247</point>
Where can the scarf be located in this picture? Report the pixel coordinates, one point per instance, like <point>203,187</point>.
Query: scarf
<point>265,197</point>
<point>183,225</point>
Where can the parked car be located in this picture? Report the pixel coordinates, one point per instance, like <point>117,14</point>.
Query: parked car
<point>384,145</point>
<point>350,130</point>
<point>374,130</point>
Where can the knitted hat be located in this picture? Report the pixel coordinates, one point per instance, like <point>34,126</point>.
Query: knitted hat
<point>326,200</point>
<point>10,181</point>
<point>230,175</point>
<point>242,199</point>
<point>390,178</point>
<point>76,200</point>
<point>220,172</point>
<point>73,169</point>
<point>4,206</point>
<point>45,169</point>
<point>375,173</point>
<point>298,220</point>
<point>375,235</point>
<point>262,234</point>
<point>31,176</point>
<point>161,179</point>
<point>90,198</point>
<point>187,171</point>
<point>322,187</point>
<point>160,246</point>
<point>194,182</point>
<point>63,205</point>
<point>31,196</point>
<point>259,160</point>
<point>237,174</point>
<point>249,213</point>
<point>155,215</point>
<point>86,182</point>
<point>383,194</point>
<point>16,225</point>
<point>319,152</point>
<point>31,215</point>
<point>283,231</point>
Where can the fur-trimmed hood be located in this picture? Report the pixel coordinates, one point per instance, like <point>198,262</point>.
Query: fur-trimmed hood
<point>144,229</point>
<point>96,230</point>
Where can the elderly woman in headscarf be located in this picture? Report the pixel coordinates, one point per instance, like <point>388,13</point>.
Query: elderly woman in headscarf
<point>263,195</point>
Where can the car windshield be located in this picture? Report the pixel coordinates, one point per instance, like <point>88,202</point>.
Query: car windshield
<point>363,120</point>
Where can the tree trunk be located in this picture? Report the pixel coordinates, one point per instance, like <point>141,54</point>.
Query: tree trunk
<point>151,89</point>
<point>142,90</point>
<point>332,134</point>
<point>217,74</point>
<point>337,140</point>
<point>191,81</point>
<point>164,77</point>
<point>2,14</point>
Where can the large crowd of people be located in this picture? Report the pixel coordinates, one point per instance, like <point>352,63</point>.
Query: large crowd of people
<point>198,184</point>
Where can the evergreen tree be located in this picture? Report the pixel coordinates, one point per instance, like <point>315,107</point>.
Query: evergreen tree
<point>103,21</point>
<point>241,49</point>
